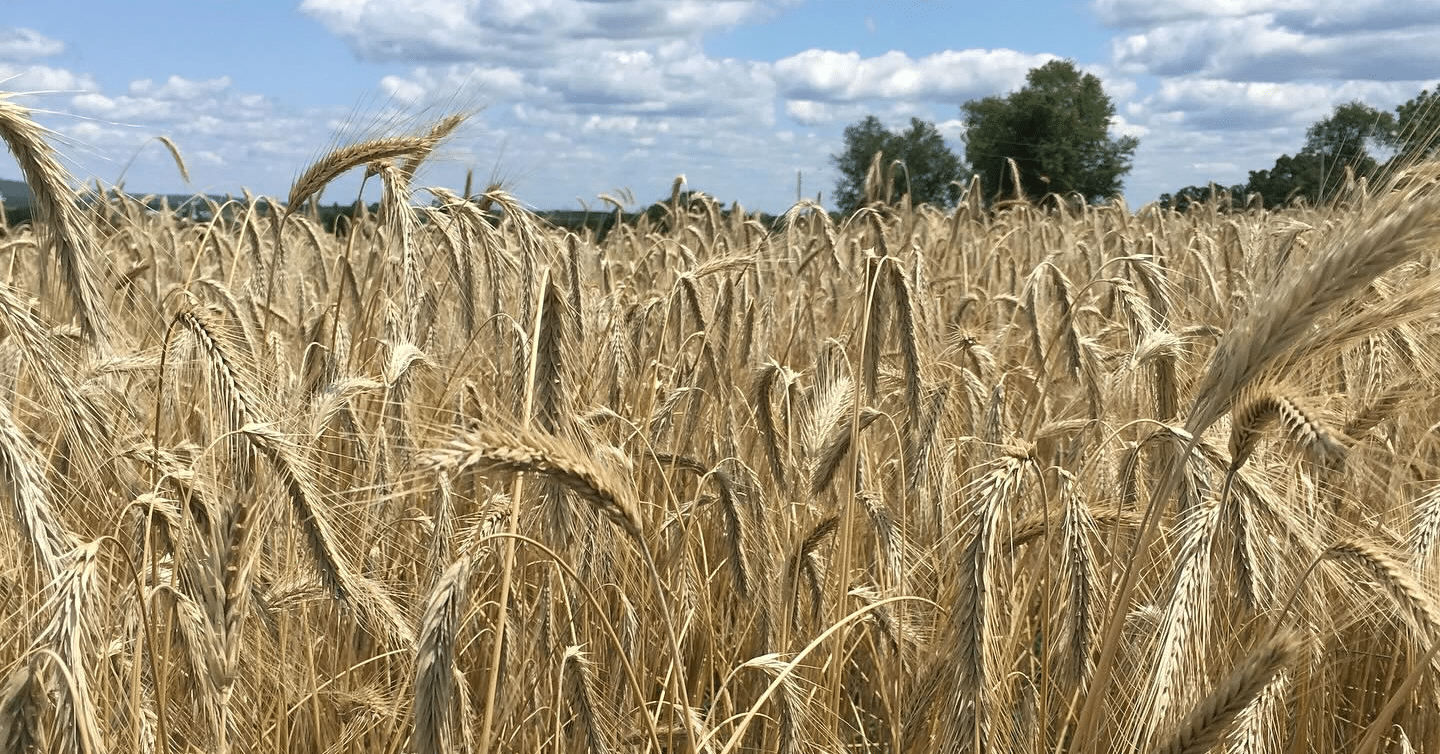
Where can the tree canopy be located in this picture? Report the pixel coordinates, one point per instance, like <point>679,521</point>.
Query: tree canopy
<point>1416,131</point>
<point>1336,147</point>
<point>1056,129</point>
<point>915,161</point>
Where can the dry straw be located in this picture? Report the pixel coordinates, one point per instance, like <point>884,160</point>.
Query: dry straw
<point>927,479</point>
<point>57,215</point>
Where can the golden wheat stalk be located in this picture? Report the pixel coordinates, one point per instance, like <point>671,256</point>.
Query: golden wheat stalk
<point>492,450</point>
<point>57,215</point>
<point>1206,725</point>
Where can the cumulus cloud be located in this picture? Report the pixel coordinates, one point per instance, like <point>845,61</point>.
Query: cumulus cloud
<point>675,79</point>
<point>457,84</point>
<point>1258,48</point>
<point>1198,130</point>
<point>1245,78</point>
<point>1300,14</point>
<point>425,30</point>
<point>614,123</point>
<point>207,157</point>
<point>402,90</point>
<point>588,96</point>
<point>807,112</point>
<point>179,100</point>
<point>238,138</point>
<point>952,129</point>
<point>179,88</point>
<point>827,75</point>
<point>432,31</point>
<point>42,78</point>
<point>124,108</point>
<point>1251,105</point>
<point>18,44</point>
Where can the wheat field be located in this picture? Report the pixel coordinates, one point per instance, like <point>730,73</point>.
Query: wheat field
<point>1012,478</point>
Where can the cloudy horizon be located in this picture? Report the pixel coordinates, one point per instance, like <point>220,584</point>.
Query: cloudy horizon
<point>571,99</point>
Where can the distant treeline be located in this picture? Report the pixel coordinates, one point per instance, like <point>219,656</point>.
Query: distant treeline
<point>337,217</point>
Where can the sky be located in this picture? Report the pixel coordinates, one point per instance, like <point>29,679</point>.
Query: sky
<point>572,99</point>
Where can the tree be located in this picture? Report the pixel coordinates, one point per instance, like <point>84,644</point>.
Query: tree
<point>915,162</point>
<point>1056,129</point>
<point>1416,132</point>
<point>1335,148</point>
<point>1291,177</point>
<point>1344,140</point>
<point>1228,197</point>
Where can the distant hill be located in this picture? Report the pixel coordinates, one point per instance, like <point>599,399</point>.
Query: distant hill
<point>15,193</point>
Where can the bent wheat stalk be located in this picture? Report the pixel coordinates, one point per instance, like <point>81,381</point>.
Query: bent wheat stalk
<point>57,215</point>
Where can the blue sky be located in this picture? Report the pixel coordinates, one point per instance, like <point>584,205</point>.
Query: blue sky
<point>575,98</point>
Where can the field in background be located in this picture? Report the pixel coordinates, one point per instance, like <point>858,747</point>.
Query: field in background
<point>993,479</point>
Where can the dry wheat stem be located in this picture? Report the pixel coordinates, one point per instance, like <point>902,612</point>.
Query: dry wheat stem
<point>1208,722</point>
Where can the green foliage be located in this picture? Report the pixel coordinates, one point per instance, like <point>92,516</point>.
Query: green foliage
<point>1056,129</point>
<point>1345,138</point>
<point>1416,132</point>
<point>336,218</point>
<point>1227,197</point>
<point>1292,177</point>
<point>914,162</point>
<point>1336,148</point>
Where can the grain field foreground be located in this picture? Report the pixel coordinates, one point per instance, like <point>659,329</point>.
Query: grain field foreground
<point>995,479</point>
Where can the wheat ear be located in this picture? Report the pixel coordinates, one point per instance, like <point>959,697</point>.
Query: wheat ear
<point>769,432</point>
<point>347,158</point>
<point>57,215</point>
<point>1280,324</point>
<point>976,710</point>
<point>1310,436</point>
<point>374,605</point>
<point>439,696</point>
<point>1417,608</point>
<point>1207,724</point>
<point>589,705</point>
<point>555,459</point>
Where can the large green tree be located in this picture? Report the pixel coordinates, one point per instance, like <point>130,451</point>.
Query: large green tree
<point>1335,148</point>
<point>1056,129</point>
<point>1416,133</point>
<point>915,161</point>
<point>1344,142</point>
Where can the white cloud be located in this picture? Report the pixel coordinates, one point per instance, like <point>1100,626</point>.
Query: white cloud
<point>827,75</point>
<point>1120,126</point>
<point>673,79</point>
<point>1215,168</point>
<point>1245,78</point>
<point>1306,14</point>
<point>676,79</point>
<point>615,123</point>
<point>42,78</point>
<point>1256,47</point>
<point>519,31</point>
<point>402,90</point>
<point>585,96</point>
<point>1250,105</point>
<point>953,129</point>
<point>124,107</point>
<point>18,44</point>
<point>179,88</point>
<point>807,112</point>
<point>206,157</point>
<point>1201,130</point>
